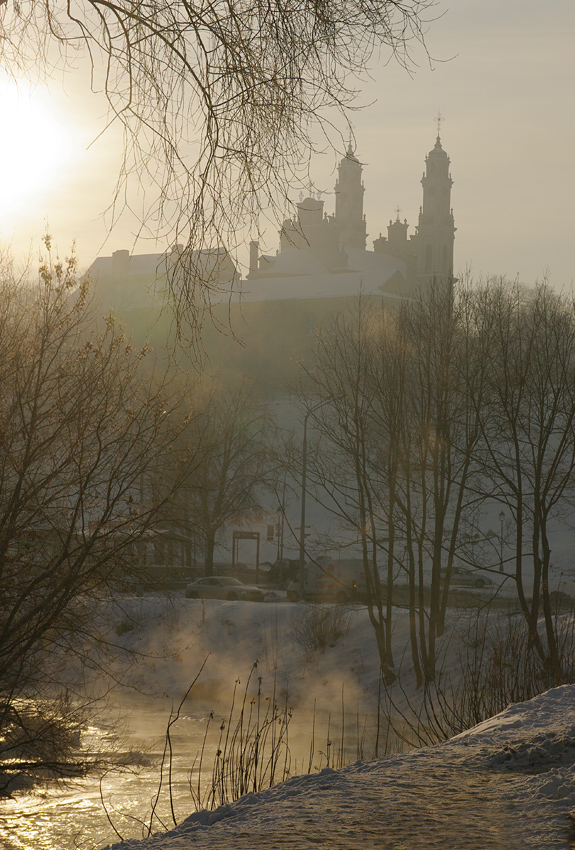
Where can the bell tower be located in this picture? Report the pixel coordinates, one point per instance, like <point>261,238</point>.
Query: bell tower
<point>349,191</point>
<point>435,229</point>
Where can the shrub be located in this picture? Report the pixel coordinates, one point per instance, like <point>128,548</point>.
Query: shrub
<point>314,627</point>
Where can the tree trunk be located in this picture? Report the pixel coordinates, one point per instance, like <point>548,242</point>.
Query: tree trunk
<point>210,546</point>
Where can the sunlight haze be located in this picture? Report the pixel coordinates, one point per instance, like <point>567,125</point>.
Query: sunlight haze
<point>502,76</point>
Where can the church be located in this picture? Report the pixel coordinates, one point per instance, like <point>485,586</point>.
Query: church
<point>321,265</point>
<point>323,255</point>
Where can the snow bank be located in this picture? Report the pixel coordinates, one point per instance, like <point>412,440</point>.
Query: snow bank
<point>459,794</point>
<point>162,644</point>
<point>507,783</point>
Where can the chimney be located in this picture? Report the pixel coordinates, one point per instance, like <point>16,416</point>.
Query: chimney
<point>254,254</point>
<point>120,263</point>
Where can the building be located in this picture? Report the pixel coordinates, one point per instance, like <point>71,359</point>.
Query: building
<point>325,256</point>
<point>321,265</point>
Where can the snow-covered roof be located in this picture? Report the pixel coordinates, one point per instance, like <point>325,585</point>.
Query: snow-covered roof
<point>128,282</point>
<point>153,265</point>
<point>299,275</point>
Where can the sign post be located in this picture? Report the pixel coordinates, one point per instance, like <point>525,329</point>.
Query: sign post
<point>246,535</point>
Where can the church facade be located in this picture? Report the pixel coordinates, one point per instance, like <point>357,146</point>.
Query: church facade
<point>319,256</point>
<point>332,249</point>
<point>320,267</point>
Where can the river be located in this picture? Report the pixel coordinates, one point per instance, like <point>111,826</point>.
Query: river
<point>76,815</point>
<point>71,814</point>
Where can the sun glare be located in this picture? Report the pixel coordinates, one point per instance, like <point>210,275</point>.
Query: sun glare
<point>35,148</point>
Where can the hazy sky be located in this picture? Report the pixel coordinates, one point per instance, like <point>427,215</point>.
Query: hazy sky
<point>503,77</point>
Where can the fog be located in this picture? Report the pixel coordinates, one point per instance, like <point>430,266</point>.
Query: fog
<point>500,74</point>
<point>494,81</point>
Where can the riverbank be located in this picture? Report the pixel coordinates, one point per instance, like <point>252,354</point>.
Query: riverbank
<point>508,784</point>
<point>160,645</point>
<point>327,671</point>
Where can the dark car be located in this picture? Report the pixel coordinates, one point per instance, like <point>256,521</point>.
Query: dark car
<point>223,587</point>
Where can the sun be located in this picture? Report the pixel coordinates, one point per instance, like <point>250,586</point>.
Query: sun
<point>35,148</point>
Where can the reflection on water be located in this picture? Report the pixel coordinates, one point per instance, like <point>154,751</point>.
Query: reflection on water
<point>72,815</point>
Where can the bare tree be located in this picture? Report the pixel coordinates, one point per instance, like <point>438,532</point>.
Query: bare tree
<point>84,428</point>
<point>528,422</point>
<point>399,452</point>
<point>462,402</point>
<point>353,465</point>
<point>227,451</point>
<point>446,374</point>
<point>220,101</point>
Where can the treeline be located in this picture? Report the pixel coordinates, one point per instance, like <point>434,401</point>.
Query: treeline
<point>456,408</point>
<point>102,447</point>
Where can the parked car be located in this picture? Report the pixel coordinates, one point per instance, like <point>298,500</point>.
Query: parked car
<point>223,587</point>
<point>462,577</point>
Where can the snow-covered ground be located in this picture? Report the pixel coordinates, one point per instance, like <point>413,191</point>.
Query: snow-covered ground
<point>508,783</point>
<point>171,639</point>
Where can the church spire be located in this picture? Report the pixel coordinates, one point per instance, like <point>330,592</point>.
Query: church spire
<point>349,191</point>
<point>436,230</point>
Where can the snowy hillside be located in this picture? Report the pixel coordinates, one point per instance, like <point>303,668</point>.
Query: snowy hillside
<point>507,784</point>
<point>172,638</point>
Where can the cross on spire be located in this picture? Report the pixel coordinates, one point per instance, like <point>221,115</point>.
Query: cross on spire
<point>439,118</point>
<point>397,211</point>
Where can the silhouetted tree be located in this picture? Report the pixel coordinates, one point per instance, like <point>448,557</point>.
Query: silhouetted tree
<point>354,461</point>
<point>528,423</point>
<point>460,401</point>
<point>227,452</point>
<point>84,428</point>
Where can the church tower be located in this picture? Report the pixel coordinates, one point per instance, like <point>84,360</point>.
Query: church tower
<point>435,230</point>
<point>349,191</point>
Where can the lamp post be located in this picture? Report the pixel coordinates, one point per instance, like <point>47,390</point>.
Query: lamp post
<point>501,521</point>
<point>303,492</point>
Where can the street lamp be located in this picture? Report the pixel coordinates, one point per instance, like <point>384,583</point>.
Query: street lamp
<point>501,521</point>
<point>303,491</point>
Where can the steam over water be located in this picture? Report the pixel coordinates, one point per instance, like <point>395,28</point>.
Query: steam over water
<point>174,637</point>
<point>67,816</point>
